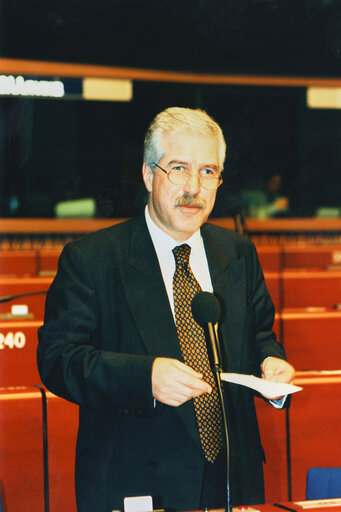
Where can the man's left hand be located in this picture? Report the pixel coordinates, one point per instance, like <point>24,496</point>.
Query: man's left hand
<point>277,370</point>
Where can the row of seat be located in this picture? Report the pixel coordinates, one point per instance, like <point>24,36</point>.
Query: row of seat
<point>299,256</point>
<point>43,261</point>
<point>307,323</point>
<point>29,262</point>
<point>311,341</point>
<point>288,289</point>
<point>35,469</point>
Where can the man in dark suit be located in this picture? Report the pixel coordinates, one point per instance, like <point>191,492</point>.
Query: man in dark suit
<point>110,341</point>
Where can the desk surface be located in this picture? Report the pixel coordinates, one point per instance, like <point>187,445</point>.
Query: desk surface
<point>289,506</point>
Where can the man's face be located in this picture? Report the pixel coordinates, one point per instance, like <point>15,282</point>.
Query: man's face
<point>179,210</point>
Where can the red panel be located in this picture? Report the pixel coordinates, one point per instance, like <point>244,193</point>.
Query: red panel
<point>277,326</point>
<point>315,426</point>
<point>312,340</point>
<point>18,348</point>
<point>36,303</point>
<point>18,262</point>
<point>311,256</point>
<point>48,261</point>
<point>21,450</point>
<point>272,426</point>
<point>315,288</point>
<point>62,432</point>
<point>270,257</point>
<point>272,280</point>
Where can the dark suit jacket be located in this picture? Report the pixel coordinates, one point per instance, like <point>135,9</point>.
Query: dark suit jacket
<point>107,318</point>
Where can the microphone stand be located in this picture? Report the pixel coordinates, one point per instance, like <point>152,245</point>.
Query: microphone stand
<point>217,370</point>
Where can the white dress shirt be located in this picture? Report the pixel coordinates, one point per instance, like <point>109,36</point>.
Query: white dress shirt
<point>164,244</point>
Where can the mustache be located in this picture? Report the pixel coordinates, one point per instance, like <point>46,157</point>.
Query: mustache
<point>190,200</point>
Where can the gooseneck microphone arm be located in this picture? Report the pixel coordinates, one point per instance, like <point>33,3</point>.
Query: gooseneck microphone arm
<point>8,298</point>
<point>206,312</point>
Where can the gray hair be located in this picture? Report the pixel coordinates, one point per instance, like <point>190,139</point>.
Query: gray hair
<point>178,119</point>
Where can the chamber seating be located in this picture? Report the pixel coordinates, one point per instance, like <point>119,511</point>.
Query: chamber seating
<point>323,483</point>
<point>296,274</point>
<point>301,256</point>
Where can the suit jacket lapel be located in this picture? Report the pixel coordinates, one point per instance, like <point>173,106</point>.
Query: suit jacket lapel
<point>147,296</point>
<point>229,285</point>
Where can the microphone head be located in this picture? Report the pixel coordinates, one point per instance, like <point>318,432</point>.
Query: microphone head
<point>205,308</point>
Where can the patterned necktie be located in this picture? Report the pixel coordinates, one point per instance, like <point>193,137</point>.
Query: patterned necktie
<point>193,347</point>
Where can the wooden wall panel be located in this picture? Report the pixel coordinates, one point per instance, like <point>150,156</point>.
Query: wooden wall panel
<point>18,262</point>
<point>315,426</point>
<point>62,421</point>
<point>273,283</point>
<point>272,427</point>
<point>18,349</point>
<point>21,450</point>
<point>314,288</point>
<point>311,256</point>
<point>312,339</point>
<point>270,257</point>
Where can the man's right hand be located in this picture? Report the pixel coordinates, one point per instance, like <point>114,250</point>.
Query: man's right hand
<point>174,383</point>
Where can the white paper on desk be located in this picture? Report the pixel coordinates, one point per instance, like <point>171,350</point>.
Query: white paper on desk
<point>265,387</point>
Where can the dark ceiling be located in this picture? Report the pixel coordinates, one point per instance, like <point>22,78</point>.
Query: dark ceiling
<point>272,37</point>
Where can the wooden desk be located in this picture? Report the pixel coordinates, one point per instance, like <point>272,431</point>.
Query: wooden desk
<point>19,285</point>
<point>272,508</point>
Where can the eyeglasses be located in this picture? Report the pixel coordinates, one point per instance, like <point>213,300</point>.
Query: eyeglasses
<point>209,178</point>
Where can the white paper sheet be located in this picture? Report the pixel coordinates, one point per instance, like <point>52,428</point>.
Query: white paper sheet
<point>265,387</point>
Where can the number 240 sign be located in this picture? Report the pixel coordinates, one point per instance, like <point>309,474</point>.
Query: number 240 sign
<point>12,340</point>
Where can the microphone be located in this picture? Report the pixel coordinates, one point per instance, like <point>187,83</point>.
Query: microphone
<point>8,298</point>
<point>205,308</point>
<point>206,312</point>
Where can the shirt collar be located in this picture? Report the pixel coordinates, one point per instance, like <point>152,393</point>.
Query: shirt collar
<point>164,244</point>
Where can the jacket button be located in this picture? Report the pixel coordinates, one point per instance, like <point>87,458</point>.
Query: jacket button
<point>152,464</point>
